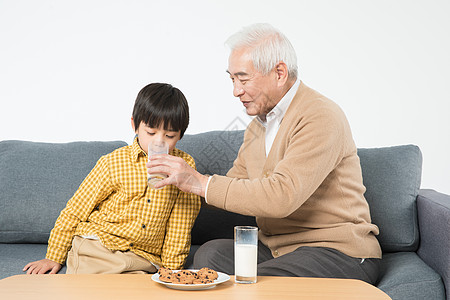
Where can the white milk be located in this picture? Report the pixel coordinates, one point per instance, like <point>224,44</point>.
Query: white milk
<point>245,260</point>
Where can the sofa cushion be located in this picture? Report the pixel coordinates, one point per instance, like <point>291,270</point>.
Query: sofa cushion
<point>405,276</point>
<point>215,151</point>
<point>16,256</point>
<point>434,225</point>
<point>37,180</point>
<point>392,179</point>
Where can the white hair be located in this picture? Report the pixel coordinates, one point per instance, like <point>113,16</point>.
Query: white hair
<point>267,45</point>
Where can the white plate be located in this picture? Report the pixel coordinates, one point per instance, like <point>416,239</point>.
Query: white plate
<point>192,287</point>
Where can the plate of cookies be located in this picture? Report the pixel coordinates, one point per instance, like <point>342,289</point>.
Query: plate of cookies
<point>202,279</point>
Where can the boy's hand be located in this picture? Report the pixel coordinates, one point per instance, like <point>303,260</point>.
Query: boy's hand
<point>179,173</point>
<point>42,266</point>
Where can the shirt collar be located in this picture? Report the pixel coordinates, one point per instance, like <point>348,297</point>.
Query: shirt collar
<point>280,109</point>
<point>136,150</point>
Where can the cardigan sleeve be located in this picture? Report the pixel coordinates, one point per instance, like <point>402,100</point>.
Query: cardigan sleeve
<point>314,146</point>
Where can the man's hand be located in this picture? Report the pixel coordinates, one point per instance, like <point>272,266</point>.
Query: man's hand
<point>179,173</point>
<point>42,266</point>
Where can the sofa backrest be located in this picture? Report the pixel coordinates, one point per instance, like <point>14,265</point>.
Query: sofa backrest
<point>214,151</point>
<point>391,176</point>
<point>37,180</point>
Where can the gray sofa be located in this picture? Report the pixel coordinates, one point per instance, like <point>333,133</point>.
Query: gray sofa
<point>37,179</point>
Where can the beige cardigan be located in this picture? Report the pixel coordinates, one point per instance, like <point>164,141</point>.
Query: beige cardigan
<point>309,190</point>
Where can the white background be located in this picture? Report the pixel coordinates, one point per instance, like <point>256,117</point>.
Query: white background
<point>71,70</point>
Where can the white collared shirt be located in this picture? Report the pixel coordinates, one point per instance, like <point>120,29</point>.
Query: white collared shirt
<point>276,115</point>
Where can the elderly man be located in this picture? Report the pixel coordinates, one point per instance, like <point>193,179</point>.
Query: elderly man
<point>297,172</point>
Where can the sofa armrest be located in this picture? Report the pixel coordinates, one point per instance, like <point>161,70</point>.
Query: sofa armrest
<point>434,226</point>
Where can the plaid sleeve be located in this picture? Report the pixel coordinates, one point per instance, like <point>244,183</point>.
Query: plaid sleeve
<point>94,188</point>
<point>177,241</point>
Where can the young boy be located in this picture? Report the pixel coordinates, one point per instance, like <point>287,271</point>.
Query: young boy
<point>115,223</point>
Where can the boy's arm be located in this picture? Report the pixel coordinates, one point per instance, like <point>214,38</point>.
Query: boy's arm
<point>94,189</point>
<point>177,241</point>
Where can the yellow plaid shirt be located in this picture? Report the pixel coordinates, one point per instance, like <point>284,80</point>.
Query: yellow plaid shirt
<point>115,204</point>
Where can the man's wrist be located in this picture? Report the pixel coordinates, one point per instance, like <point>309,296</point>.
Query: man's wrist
<point>199,188</point>
<point>206,188</point>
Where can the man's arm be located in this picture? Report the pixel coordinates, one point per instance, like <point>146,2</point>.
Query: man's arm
<point>185,177</point>
<point>314,148</point>
<point>179,173</point>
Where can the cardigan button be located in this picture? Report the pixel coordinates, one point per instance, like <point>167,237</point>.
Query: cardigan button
<point>275,253</point>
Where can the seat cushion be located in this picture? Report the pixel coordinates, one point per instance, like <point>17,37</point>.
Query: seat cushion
<point>15,256</point>
<point>37,180</point>
<point>405,276</point>
<point>392,179</point>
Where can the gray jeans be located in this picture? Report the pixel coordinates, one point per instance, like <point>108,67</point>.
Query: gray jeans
<point>303,262</point>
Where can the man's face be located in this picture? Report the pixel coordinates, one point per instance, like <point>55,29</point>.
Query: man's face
<point>255,91</point>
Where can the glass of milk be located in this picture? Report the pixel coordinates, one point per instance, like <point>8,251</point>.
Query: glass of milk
<point>245,254</point>
<point>156,147</point>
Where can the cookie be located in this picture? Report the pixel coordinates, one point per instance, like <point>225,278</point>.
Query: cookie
<point>186,280</point>
<point>203,276</point>
<point>164,271</point>
<point>166,277</point>
<point>207,273</point>
<point>202,281</point>
<point>186,273</point>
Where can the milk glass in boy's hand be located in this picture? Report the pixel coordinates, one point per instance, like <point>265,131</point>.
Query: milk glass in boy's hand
<point>156,147</point>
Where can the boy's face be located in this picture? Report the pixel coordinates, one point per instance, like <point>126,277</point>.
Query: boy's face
<point>147,134</point>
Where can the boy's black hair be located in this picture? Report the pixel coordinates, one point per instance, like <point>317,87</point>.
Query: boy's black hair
<point>161,103</point>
